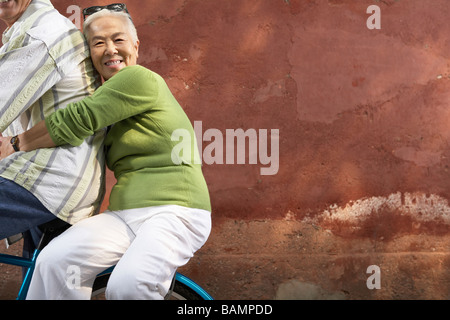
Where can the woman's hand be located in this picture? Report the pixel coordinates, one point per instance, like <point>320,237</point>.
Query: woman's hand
<point>6,149</point>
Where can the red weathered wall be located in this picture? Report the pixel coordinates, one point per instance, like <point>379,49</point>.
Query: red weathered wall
<point>363,118</point>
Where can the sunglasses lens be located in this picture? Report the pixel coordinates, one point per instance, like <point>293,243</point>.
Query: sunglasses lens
<point>112,7</point>
<point>116,7</point>
<point>91,10</point>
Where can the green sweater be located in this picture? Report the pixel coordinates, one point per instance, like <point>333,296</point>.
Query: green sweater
<point>144,114</point>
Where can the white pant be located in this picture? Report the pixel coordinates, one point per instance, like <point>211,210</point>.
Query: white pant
<point>147,244</point>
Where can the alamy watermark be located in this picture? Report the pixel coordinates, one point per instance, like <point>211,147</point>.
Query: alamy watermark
<point>374,21</point>
<point>75,15</point>
<point>235,147</point>
<point>374,280</point>
<point>73,277</point>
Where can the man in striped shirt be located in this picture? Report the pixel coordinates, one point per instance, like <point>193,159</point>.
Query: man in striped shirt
<point>44,65</point>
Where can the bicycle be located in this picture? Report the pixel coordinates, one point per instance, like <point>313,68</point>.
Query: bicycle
<point>182,288</point>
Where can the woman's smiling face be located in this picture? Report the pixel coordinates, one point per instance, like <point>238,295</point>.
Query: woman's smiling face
<point>111,45</point>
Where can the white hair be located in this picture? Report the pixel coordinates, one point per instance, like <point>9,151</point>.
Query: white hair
<point>105,13</point>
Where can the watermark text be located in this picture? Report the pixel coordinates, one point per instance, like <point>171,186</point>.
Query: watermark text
<point>373,281</point>
<point>374,21</point>
<point>236,146</point>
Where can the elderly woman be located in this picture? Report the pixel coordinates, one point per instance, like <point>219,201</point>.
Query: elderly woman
<point>159,213</point>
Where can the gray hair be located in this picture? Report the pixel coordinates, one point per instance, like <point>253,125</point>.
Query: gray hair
<point>108,13</point>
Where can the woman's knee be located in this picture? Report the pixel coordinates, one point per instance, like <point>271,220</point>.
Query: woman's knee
<point>51,257</point>
<point>129,286</point>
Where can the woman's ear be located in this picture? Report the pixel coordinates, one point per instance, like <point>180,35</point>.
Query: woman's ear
<point>136,46</point>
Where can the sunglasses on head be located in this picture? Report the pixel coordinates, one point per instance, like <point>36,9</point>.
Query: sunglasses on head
<point>117,7</point>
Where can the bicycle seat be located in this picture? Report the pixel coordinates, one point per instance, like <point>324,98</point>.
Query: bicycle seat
<point>51,230</point>
<point>53,225</point>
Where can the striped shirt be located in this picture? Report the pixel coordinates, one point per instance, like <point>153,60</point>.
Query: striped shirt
<point>44,65</point>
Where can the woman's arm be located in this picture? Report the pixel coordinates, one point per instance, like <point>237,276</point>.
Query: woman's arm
<point>132,91</point>
<point>35,138</point>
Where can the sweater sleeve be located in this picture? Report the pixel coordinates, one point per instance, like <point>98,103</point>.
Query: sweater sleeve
<point>132,91</point>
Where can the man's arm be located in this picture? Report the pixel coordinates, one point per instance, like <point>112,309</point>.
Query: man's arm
<point>28,73</point>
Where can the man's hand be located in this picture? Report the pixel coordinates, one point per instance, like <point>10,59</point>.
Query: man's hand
<point>6,149</point>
